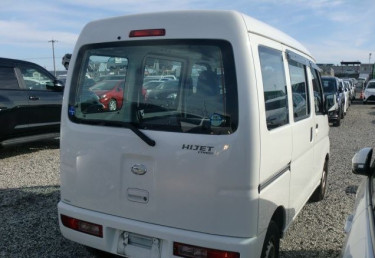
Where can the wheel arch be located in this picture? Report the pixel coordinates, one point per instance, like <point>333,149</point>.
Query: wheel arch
<point>326,161</point>
<point>279,217</point>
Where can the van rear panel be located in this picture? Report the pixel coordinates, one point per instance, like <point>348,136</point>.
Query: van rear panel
<point>182,187</point>
<point>152,135</point>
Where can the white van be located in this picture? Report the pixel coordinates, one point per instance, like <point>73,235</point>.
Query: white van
<point>217,164</point>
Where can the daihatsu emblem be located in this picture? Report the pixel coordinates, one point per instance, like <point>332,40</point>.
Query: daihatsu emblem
<point>139,169</point>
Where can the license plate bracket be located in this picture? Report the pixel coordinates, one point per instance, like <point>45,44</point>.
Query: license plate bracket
<point>135,245</point>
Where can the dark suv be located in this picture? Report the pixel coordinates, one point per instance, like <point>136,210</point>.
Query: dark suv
<point>334,94</point>
<point>30,102</point>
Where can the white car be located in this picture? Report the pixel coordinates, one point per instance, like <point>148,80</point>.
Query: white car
<point>351,88</point>
<point>369,94</point>
<point>346,94</point>
<point>360,228</point>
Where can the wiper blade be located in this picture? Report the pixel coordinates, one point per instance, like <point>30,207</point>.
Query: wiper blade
<point>141,135</point>
<point>129,125</point>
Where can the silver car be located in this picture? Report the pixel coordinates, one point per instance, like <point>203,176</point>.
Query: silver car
<point>369,94</point>
<point>360,227</point>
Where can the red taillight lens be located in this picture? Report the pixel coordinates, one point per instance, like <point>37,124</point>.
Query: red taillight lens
<point>190,251</point>
<point>82,226</point>
<point>147,33</point>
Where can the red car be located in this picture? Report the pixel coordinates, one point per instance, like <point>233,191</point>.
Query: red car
<point>110,93</point>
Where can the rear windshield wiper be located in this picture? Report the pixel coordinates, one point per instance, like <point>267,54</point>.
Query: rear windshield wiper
<point>129,125</point>
<point>140,134</point>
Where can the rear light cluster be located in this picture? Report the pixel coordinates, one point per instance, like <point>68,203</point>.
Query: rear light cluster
<point>190,251</point>
<point>82,226</point>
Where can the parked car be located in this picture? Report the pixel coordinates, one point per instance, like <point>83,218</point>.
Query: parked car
<point>30,102</point>
<point>369,93</point>
<point>351,87</point>
<point>110,93</point>
<point>360,227</point>
<point>150,85</point>
<point>159,78</point>
<point>164,94</point>
<point>277,111</point>
<point>333,86</point>
<point>347,93</point>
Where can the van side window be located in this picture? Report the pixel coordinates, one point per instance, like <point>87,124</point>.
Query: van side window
<point>274,87</point>
<point>298,79</point>
<point>318,92</point>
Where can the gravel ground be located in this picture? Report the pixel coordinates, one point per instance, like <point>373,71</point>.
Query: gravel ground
<point>29,192</point>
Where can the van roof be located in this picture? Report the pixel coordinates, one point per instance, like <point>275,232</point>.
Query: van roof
<point>185,24</point>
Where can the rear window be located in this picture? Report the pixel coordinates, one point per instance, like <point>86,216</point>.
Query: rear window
<point>184,86</point>
<point>329,85</point>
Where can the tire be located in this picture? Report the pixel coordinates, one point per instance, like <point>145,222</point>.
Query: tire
<point>338,121</point>
<point>320,192</point>
<point>342,113</point>
<point>271,243</point>
<point>112,105</point>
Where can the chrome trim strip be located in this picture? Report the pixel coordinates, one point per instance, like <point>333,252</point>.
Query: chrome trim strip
<point>31,138</point>
<point>36,125</point>
<point>272,178</point>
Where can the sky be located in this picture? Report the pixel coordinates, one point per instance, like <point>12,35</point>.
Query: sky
<point>332,30</point>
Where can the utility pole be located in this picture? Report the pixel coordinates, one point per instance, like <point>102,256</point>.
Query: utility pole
<point>53,53</point>
<point>369,58</point>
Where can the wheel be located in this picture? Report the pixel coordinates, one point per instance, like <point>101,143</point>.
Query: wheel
<point>342,113</point>
<point>338,121</point>
<point>112,105</point>
<point>271,242</point>
<point>320,192</point>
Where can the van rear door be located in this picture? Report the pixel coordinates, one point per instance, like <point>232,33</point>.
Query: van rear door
<point>163,156</point>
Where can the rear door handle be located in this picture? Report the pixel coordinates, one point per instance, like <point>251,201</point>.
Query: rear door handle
<point>33,98</point>
<point>311,134</point>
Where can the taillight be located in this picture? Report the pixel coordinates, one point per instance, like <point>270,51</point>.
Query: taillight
<point>82,226</point>
<point>190,251</point>
<point>147,33</point>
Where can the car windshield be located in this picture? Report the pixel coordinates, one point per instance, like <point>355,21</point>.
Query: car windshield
<point>371,85</point>
<point>192,88</point>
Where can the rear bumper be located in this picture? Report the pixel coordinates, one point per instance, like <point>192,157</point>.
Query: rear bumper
<point>114,226</point>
